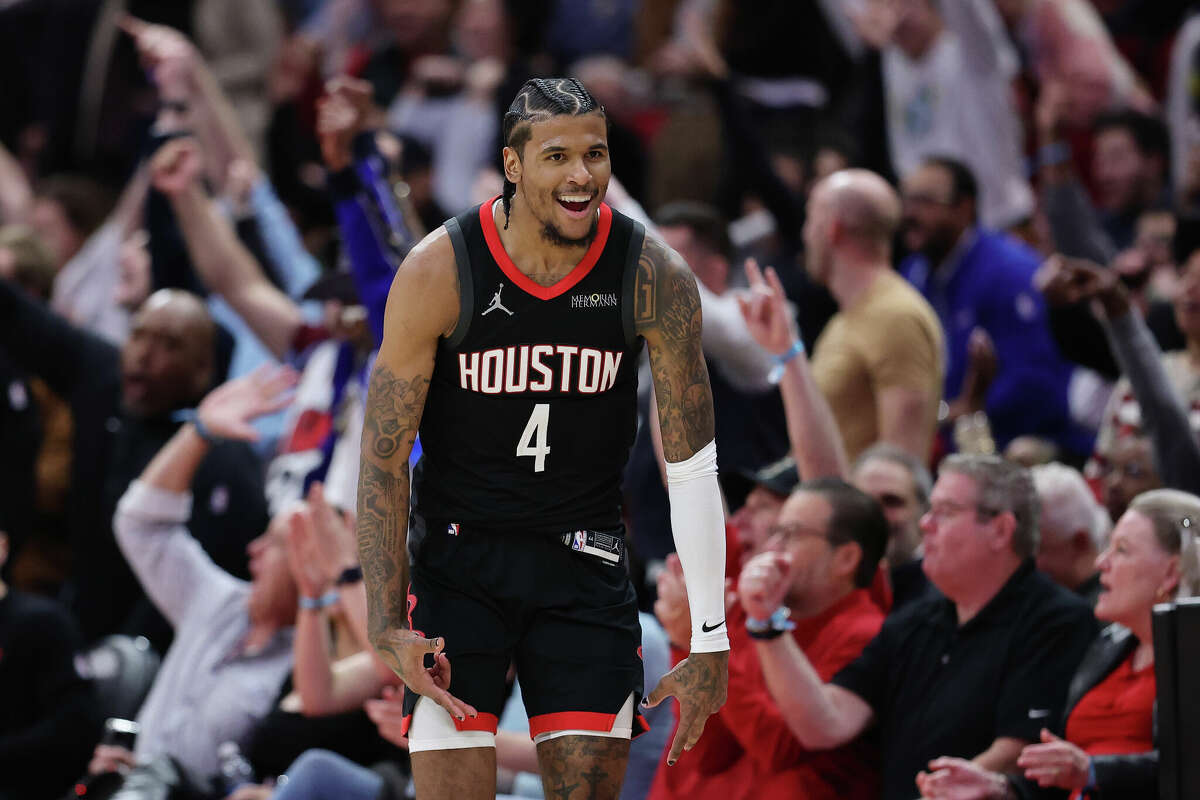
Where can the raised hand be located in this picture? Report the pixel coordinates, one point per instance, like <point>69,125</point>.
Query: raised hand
<point>981,369</point>
<point>332,534</point>
<point>404,651</point>
<point>310,571</point>
<point>699,683</point>
<point>168,55</point>
<point>229,409</point>
<point>876,22</point>
<point>763,584</point>
<point>341,115</point>
<point>176,166</point>
<point>766,311</point>
<point>1055,762</point>
<point>1066,281</point>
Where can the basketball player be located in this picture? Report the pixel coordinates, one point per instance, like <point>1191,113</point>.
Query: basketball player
<point>527,418</point>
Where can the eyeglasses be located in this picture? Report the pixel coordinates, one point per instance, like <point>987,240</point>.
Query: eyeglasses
<point>941,512</point>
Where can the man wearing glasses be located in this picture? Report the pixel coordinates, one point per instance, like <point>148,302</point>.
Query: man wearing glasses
<point>975,669</point>
<point>811,581</point>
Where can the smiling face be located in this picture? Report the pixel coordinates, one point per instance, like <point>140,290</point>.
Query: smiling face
<point>934,219</point>
<point>562,173</point>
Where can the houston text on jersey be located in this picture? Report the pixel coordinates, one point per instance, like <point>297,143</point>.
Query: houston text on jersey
<point>539,368</point>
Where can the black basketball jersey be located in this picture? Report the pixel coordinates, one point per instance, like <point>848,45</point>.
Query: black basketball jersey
<point>531,409</point>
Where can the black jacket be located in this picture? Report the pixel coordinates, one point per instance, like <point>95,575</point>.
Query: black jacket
<point>1133,776</point>
<point>110,449</point>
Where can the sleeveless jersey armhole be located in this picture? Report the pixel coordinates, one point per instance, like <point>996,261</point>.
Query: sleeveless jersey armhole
<point>629,282</point>
<point>466,289</point>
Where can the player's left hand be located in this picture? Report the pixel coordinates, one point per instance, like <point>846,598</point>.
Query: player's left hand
<point>699,683</point>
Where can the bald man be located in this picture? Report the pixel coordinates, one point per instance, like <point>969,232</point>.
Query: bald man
<point>125,404</point>
<point>879,360</point>
<point>167,362</point>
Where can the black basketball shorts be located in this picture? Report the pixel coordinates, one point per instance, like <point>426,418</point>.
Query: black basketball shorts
<point>567,619</point>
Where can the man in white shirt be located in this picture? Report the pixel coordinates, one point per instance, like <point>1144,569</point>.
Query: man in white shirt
<point>947,73</point>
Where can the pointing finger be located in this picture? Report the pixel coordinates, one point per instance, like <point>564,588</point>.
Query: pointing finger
<point>773,280</point>
<point>681,736</point>
<point>697,730</point>
<point>753,273</point>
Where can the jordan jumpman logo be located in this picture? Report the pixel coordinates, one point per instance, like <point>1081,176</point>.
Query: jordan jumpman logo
<point>496,304</point>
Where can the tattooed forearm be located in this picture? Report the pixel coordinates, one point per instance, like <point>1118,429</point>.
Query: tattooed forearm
<point>393,412</point>
<point>668,316</point>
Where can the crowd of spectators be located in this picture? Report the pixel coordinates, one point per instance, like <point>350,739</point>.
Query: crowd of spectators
<point>948,253</point>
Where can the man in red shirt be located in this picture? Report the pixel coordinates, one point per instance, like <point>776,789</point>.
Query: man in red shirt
<point>820,558</point>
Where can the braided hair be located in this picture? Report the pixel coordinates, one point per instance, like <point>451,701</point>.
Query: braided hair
<point>538,100</point>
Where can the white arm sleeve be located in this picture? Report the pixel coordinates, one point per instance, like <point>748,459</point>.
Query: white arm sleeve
<point>698,524</point>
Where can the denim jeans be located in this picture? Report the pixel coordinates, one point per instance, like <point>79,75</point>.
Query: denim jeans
<point>322,775</point>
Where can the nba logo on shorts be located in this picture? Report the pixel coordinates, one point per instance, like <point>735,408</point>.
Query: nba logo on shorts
<point>452,529</point>
<point>580,540</point>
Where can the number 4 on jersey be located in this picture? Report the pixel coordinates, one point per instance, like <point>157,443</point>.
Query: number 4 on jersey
<point>533,438</point>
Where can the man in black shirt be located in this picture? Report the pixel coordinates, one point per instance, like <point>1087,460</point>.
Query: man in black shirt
<point>974,669</point>
<point>123,405</point>
<point>48,718</point>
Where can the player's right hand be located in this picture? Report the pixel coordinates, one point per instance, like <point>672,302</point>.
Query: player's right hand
<point>405,650</point>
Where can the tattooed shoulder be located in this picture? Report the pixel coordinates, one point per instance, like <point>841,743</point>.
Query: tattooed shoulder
<point>664,292</point>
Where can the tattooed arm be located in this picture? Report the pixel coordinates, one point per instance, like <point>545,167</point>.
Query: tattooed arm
<point>422,305</point>
<point>668,317</point>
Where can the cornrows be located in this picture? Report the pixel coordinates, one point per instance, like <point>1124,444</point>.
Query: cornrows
<point>540,99</point>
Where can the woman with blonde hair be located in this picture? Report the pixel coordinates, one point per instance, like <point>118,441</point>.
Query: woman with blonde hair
<point>1108,725</point>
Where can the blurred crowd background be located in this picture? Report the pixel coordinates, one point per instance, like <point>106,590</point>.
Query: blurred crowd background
<point>983,215</point>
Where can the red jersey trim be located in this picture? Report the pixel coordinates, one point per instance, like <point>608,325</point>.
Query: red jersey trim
<point>564,284</point>
<point>582,721</point>
<point>571,721</point>
<point>483,722</point>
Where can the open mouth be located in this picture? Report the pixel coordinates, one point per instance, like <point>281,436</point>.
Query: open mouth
<point>575,204</point>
